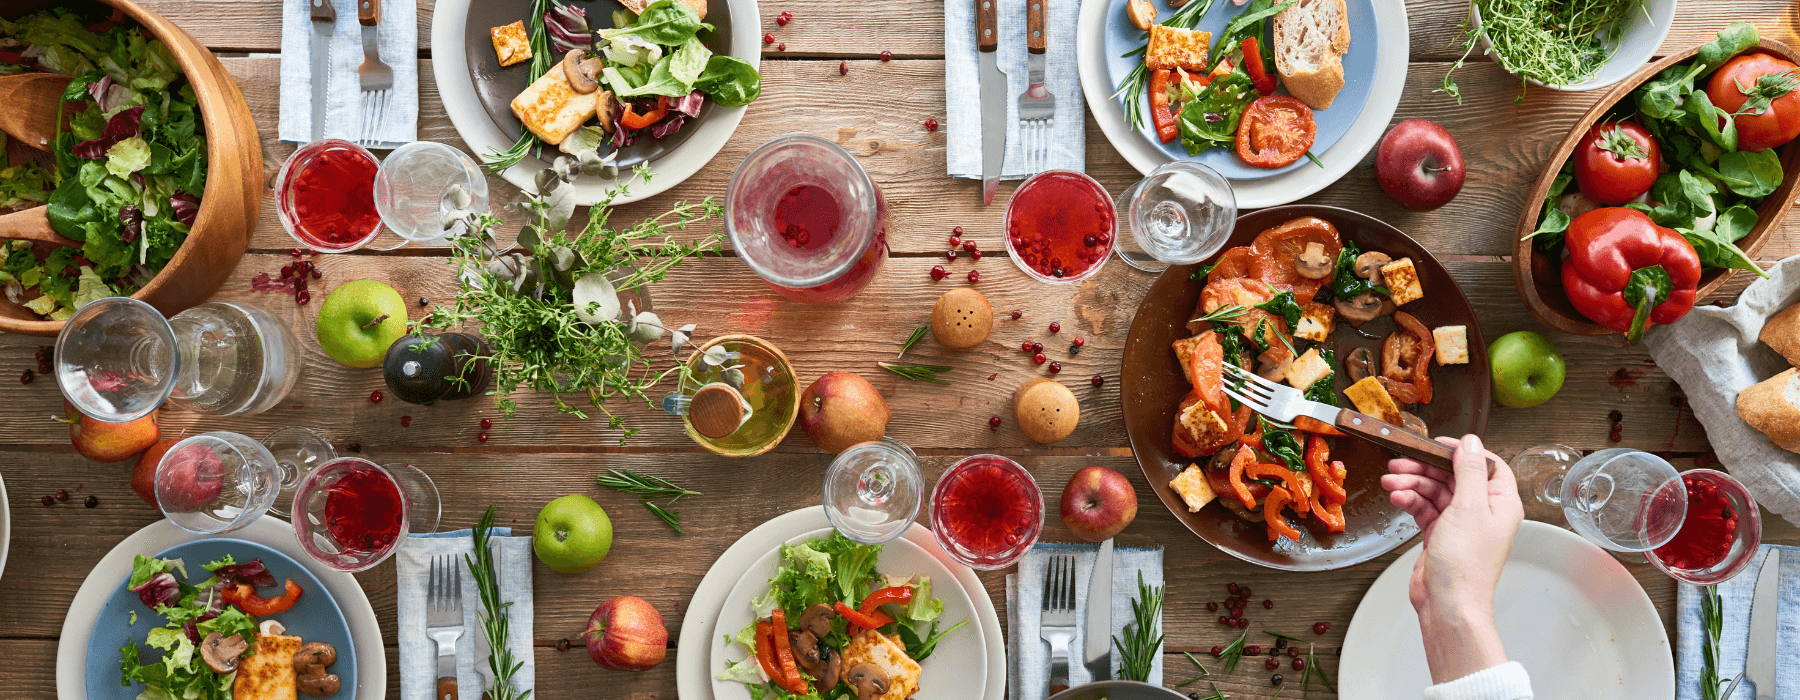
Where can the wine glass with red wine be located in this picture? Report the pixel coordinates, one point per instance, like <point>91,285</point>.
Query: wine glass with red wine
<point>986,511</point>
<point>350,513</point>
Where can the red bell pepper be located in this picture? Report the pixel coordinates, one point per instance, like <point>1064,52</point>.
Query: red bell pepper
<point>1625,272</point>
<point>1244,458</point>
<point>1294,481</point>
<point>1313,425</point>
<point>1325,480</point>
<point>633,120</point>
<point>1160,113</point>
<point>784,655</point>
<point>765,652</point>
<point>858,618</point>
<point>1278,524</point>
<point>244,596</point>
<point>893,594</point>
<point>1253,64</point>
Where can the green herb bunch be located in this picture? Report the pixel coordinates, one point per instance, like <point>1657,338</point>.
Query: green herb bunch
<point>1555,42</point>
<point>492,616</point>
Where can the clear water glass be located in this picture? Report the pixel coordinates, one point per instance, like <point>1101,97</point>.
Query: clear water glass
<point>412,185</point>
<point>1180,214</point>
<point>1620,499</point>
<point>872,491</point>
<point>216,482</point>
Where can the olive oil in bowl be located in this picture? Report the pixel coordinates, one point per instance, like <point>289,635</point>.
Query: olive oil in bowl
<point>767,386</point>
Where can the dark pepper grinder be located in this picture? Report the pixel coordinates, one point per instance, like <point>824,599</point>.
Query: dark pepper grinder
<point>424,369</point>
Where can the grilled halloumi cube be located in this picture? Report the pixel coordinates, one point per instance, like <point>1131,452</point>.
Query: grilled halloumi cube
<point>1201,423</point>
<point>1402,281</point>
<point>268,672</point>
<point>902,672</point>
<point>1452,344</point>
<point>1315,322</point>
<point>511,44</point>
<point>551,109</point>
<point>1370,397</point>
<point>1308,368</point>
<point>1184,352</point>
<point>1177,48</point>
<point>1193,488</point>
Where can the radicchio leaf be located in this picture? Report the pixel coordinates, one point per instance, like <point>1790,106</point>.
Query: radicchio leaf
<point>667,126</point>
<point>252,572</point>
<point>121,126</point>
<point>97,89</point>
<point>192,628</point>
<point>568,29</point>
<point>161,589</point>
<point>185,206</point>
<point>623,137</point>
<point>689,105</point>
<point>131,218</point>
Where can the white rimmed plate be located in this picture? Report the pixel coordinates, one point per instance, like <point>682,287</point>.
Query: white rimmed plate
<point>5,526</point>
<point>78,626</point>
<point>1645,28</point>
<point>1145,154</point>
<point>693,672</point>
<point>959,661</point>
<point>1567,611</point>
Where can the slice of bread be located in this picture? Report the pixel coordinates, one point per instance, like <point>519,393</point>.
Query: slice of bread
<point>1782,332</point>
<point>1310,41</point>
<point>1773,407</point>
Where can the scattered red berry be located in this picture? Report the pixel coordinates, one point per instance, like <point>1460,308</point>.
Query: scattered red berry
<point>1055,367</point>
<point>974,277</point>
<point>1299,664</point>
<point>938,272</point>
<point>1212,607</point>
<point>482,437</point>
<point>375,396</point>
<point>991,377</point>
<point>1226,621</point>
<point>1294,651</point>
<point>302,297</point>
<point>780,20</point>
<point>1055,327</point>
<point>887,56</point>
<point>1016,314</point>
<point>1025,346</point>
<point>1080,341</point>
<point>1271,664</point>
<point>1275,679</point>
<point>92,502</point>
<point>781,46</point>
<point>562,644</point>
<point>486,424</point>
<point>969,246</point>
<point>1244,622</point>
<point>48,501</point>
<point>1231,588</point>
<point>975,254</point>
<point>768,38</point>
<point>295,252</point>
<point>931,125</point>
<point>1244,592</point>
<point>843,67</point>
<point>1321,627</point>
<point>1268,604</point>
<point>956,230</point>
<point>950,254</point>
<point>406,421</point>
<point>1039,358</point>
<point>1218,652</point>
<point>994,423</point>
<point>1037,347</point>
<point>355,447</point>
<point>62,494</point>
<point>955,240</point>
<point>1253,650</point>
<point>25,377</point>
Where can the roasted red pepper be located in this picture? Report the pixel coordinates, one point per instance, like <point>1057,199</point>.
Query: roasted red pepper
<point>858,618</point>
<point>1327,488</point>
<point>1625,272</point>
<point>1253,64</point>
<point>892,594</point>
<point>784,655</point>
<point>1160,113</point>
<point>1294,481</point>
<point>1313,425</point>
<point>1278,525</point>
<point>633,120</point>
<point>1244,458</point>
<point>244,596</point>
<point>765,651</point>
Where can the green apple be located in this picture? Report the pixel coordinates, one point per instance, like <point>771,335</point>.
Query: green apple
<point>359,320</point>
<point>572,534</point>
<point>1527,369</point>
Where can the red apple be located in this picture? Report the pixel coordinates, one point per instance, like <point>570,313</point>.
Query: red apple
<point>143,475</point>
<point>1419,166</point>
<point>627,634</point>
<point>842,409</point>
<point>109,442</point>
<point>1098,503</point>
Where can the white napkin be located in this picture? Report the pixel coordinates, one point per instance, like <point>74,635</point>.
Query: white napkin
<point>962,85</point>
<point>1734,629</point>
<point>1028,666</point>
<point>397,36</point>
<point>1713,353</point>
<point>418,653</point>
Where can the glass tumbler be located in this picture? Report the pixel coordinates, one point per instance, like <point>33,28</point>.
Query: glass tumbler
<point>822,182</point>
<point>1181,213</point>
<point>872,491</point>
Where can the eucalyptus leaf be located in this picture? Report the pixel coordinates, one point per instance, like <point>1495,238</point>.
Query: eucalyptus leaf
<point>680,337</point>
<point>734,377</point>
<point>715,356</point>
<point>595,299</point>
<point>560,207</point>
<point>646,328</point>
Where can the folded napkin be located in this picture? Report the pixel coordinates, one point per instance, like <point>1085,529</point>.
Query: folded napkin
<point>418,653</point>
<point>1028,667</point>
<point>397,36</point>
<point>1734,633</point>
<point>962,85</point>
<point>1713,353</point>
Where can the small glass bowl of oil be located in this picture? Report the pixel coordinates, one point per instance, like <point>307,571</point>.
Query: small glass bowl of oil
<point>761,375</point>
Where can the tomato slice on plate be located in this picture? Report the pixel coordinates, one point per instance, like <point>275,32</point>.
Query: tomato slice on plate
<point>1274,252</point>
<point>1276,130</point>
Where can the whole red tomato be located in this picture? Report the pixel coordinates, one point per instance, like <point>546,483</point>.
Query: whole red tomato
<point>1773,116</point>
<point>1616,162</point>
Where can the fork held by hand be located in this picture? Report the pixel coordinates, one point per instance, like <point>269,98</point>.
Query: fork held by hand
<point>1285,403</point>
<point>1058,623</point>
<point>444,619</point>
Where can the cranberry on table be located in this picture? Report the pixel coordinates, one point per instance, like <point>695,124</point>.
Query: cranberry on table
<point>48,501</point>
<point>1025,346</point>
<point>1245,592</point>
<point>994,423</point>
<point>976,254</point>
<point>1016,314</point>
<point>1293,651</point>
<point>1037,347</point>
<point>1055,367</point>
<point>843,67</point>
<point>1039,358</point>
<point>1098,380</point>
<point>1212,607</point>
<point>1268,604</point>
<point>887,56</point>
<point>969,246</point>
<point>1218,652</point>
<point>957,230</point>
<point>955,240</point>
<point>950,254</point>
<point>1253,650</point>
<point>931,124</point>
<point>1055,327</point>
<point>1271,664</point>
<point>1275,679</point>
<point>974,276</point>
<point>1321,627</point>
<point>1080,341</point>
<point>938,272</point>
<point>1231,588</point>
<point>482,437</point>
<point>62,494</point>
<point>768,38</point>
<point>375,396</point>
<point>91,502</point>
<point>1299,664</point>
<point>486,424</point>
<point>1223,620</point>
<point>25,377</point>
<point>406,421</point>
<point>781,46</point>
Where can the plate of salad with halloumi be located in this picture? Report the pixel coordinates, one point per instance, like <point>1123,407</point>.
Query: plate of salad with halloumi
<point>824,617</point>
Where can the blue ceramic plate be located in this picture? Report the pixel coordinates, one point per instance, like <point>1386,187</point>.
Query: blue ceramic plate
<point>316,618</point>
<point>1359,79</point>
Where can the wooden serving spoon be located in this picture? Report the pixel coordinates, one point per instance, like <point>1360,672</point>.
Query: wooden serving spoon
<point>33,225</point>
<point>31,101</point>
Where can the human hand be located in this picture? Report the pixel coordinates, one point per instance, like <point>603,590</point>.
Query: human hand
<point>1469,519</point>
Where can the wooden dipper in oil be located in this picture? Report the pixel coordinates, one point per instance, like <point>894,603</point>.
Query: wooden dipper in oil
<point>717,410</point>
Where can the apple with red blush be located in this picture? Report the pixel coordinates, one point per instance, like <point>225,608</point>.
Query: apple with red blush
<point>1419,165</point>
<point>1098,503</point>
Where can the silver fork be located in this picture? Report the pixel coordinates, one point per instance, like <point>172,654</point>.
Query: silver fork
<point>1036,105</point>
<point>376,77</point>
<point>1058,622</point>
<point>1285,403</point>
<point>444,619</point>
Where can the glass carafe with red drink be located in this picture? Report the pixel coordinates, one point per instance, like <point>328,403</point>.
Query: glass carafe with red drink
<point>804,216</point>
<point>987,511</point>
<point>350,513</point>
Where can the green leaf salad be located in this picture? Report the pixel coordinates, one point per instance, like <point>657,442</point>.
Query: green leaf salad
<point>129,171</point>
<point>190,613</point>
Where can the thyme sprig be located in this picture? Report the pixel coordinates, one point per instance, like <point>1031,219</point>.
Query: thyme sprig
<point>918,373</point>
<point>1140,641</point>
<point>912,340</point>
<point>492,616</point>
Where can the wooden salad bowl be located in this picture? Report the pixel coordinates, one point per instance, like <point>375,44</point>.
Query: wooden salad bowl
<point>1539,283</point>
<point>228,207</point>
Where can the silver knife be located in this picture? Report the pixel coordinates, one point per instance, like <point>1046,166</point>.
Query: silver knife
<point>1759,652</point>
<point>324,22</point>
<point>1098,658</point>
<point>993,98</point>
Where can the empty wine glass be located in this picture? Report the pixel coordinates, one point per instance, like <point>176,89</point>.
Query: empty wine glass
<point>1621,499</point>
<point>1181,213</point>
<point>350,513</point>
<point>118,359</point>
<point>413,185</point>
<point>872,491</point>
<point>220,481</point>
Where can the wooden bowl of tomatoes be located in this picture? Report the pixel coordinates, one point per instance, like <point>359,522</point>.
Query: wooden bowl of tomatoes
<point>1646,147</point>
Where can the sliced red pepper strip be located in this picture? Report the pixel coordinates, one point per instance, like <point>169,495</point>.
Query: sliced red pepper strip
<point>1253,64</point>
<point>861,619</point>
<point>1160,113</point>
<point>1332,515</point>
<point>244,596</point>
<point>1278,525</point>
<point>1295,484</point>
<point>765,652</point>
<point>1245,457</point>
<point>893,594</point>
<point>1313,425</point>
<point>1317,452</point>
<point>784,655</point>
<point>633,120</point>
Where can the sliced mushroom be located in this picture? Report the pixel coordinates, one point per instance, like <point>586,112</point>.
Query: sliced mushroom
<point>1414,423</point>
<point>806,652</point>
<point>221,653</point>
<point>579,73</point>
<point>833,664</point>
<point>271,627</point>
<point>817,619</point>
<point>1359,364</point>
<point>1362,308</point>
<point>868,679</point>
<point>1368,265</point>
<point>309,669</point>
<point>603,108</point>
<point>1143,14</point>
<point>1313,263</point>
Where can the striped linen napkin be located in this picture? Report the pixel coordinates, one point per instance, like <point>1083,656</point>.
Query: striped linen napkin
<point>1028,664</point>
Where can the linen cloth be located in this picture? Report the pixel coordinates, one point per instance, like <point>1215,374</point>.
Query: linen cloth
<point>1067,139</point>
<point>1508,681</point>
<point>418,653</point>
<point>1734,633</point>
<point>1713,353</point>
<point>1028,666</point>
<point>397,39</point>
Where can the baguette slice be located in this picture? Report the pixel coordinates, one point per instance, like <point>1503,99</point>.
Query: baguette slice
<point>1310,40</point>
<point>1782,332</point>
<point>1773,407</point>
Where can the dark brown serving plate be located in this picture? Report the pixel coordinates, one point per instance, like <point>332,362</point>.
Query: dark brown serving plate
<point>497,86</point>
<point>1153,386</point>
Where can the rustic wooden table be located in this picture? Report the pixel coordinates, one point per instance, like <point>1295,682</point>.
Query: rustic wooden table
<point>876,112</point>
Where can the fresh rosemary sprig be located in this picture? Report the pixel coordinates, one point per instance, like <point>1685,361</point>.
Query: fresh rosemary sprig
<point>1279,635</point>
<point>1223,313</point>
<point>920,373</point>
<point>1712,617</point>
<point>1312,669</point>
<point>912,340</point>
<point>1141,639</point>
<point>492,616</point>
<point>669,517</point>
<point>1233,653</point>
<point>1132,87</point>
<point>1203,672</point>
<point>642,484</point>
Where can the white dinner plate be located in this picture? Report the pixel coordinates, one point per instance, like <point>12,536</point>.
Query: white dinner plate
<point>959,661</point>
<point>1566,610</point>
<point>5,526</point>
<point>1146,155</point>
<point>78,626</point>
<point>694,673</point>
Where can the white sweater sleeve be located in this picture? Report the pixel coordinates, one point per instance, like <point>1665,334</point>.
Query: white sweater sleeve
<point>1508,681</point>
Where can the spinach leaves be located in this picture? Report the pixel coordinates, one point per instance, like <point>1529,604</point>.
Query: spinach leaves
<point>730,81</point>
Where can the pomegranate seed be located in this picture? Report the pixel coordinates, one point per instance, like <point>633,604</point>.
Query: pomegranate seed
<point>1321,627</point>
<point>1055,367</point>
<point>781,46</point>
<point>1037,347</point>
<point>1025,346</point>
<point>91,502</point>
<point>1299,664</point>
<point>780,20</point>
<point>1038,358</point>
<point>931,125</point>
<point>1212,607</point>
<point>1231,588</point>
<point>406,421</point>
<point>991,377</point>
<point>302,297</point>
<point>768,38</point>
<point>48,501</point>
<point>25,377</point>
<point>1244,593</point>
<point>976,255</point>
<point>1218,652</point>
<point>994,423</point>
<point>957,230</point>
<point>375,396</point>
<point>1016,314</point>
<point>955,240</point>
<point>938,272</point>
<point>950,254</point>
<point>486,424</point>
<point>1080,341</point>
<point>482,437</point>
<point>62,495</point>
<point>1253,650</point>
<point>1226,621</point>
<point>887,56</point>
<point>969,246</point>
<point>843,67</point>
<point>1055,327</point>
<point>974,277</point>
<point>1268,604</point>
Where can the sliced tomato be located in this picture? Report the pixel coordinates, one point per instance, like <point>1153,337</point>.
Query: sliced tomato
<point>1206,369</point>
<point>1421,369</point>
<point>1160,113</point>
<point>1769,114</point>
<point>1276,130</point>
<point>1276,249</point>
<point>1278,525</point>
<point>244,596</point>
<point>1233,263</point>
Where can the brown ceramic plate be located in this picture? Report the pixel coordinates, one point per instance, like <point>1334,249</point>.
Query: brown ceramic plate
<point>1153,386</point>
